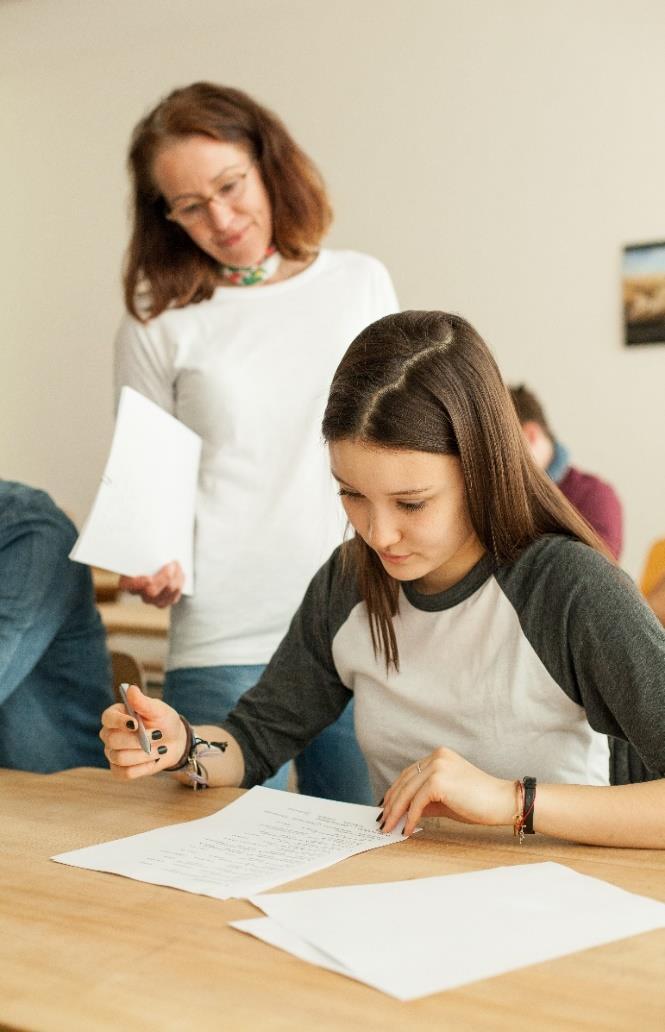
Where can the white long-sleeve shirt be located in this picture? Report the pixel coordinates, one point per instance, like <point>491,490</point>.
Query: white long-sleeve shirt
<point>249,370</point>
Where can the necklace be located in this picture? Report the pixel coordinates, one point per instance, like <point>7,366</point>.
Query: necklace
<point>248,275</point>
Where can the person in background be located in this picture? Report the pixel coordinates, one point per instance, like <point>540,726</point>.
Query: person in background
<point>489,643</point>
<point>55,675</point>
<point>593,498</point>
<point>236,319</point>
<point>656,599</point>
<point>652,578</point>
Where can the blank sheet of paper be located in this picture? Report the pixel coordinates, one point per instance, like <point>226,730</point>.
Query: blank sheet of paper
<point>143,514</point>
<point>269,931</point>
<point>417,937</point>
<point>261,840</point>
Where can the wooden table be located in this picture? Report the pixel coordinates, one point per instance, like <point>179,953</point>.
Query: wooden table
<point>81,950</point>
<point>134,618</point>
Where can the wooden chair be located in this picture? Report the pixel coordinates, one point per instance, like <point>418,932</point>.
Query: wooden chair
<point>106,584</point>
<point>126,669</point>
<point>139,630</point>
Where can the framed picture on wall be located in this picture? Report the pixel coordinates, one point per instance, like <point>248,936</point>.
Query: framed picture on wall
<point>644,293</point>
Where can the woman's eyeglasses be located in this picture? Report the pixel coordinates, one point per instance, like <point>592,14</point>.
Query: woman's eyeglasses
<point>228,191</point>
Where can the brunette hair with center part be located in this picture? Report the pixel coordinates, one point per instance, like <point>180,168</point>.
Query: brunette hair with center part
<point>163,266</point>
<point>426,381</point>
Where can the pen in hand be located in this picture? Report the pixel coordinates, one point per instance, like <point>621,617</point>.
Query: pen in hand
<point>143,738</point>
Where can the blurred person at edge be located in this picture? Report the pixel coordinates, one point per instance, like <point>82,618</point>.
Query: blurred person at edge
<point>594,499</point>
<point>236,321</point>
<point>656,599</point>
<point>55,671</point>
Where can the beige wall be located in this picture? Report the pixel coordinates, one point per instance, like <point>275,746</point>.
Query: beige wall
<point>496,155</point>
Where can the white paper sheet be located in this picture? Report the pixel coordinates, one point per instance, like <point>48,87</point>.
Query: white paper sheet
<point>143,514</point>
<point>274,934</point>
<point>423,936</point>
<point>269,931</point>
<point>261,840</point>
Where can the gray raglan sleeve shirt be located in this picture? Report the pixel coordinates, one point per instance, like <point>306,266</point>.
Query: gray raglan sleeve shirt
<point>597,638</point>
<point>583,617</point>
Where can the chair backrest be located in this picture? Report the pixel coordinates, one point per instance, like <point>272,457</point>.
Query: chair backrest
<point>654,567</point>
<point>106,584</point>
<point>126,669</point>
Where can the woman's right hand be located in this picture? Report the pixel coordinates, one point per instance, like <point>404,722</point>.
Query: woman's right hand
<point>162,589</point>
<point>122,748</point>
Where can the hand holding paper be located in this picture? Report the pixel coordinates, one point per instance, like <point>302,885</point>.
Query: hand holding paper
<point>163,589</point>
<point>143,515</point>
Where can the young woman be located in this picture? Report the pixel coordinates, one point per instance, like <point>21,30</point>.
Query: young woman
<point>485,637</point>
<point>236,321</point>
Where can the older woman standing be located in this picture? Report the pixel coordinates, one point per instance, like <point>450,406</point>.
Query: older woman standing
<point>236,322</point>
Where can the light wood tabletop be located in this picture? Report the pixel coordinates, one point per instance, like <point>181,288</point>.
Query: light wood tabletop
<point>83,950</point>
<point>134,617</point>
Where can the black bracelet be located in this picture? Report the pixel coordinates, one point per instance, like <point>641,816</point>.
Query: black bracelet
<point>184,759</point>
<point>529,805</point>
<point>196,771</point>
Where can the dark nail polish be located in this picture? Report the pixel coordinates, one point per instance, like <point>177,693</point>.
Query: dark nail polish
<point>381,825</point>
<point>162,749</point>
<point>131,724</point>
<point>156,735</point>
<point>379,817</point>
<point>380,802</point>
<point>157,761</point>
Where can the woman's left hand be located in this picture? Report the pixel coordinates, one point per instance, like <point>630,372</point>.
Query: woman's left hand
<point>444,784</point>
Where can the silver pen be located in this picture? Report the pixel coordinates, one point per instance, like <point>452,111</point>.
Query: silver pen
<point>143,737</point>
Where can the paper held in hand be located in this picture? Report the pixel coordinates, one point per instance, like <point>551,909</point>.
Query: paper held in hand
<point>143,514</point>
<point>261,840</point>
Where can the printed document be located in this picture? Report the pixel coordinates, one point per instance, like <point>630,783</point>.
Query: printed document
<point>412,938</point>
<point>261,840</point>
<point>143,514</point>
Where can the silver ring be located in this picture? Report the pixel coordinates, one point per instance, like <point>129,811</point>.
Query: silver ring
<point>418,767</point>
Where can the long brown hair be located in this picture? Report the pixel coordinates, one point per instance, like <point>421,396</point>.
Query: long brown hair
<point>163,265</point>
<point>426,381</point>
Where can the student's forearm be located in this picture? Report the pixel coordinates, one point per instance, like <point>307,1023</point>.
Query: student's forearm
<point>631,816</point>
<point>444,784</point>
<point>224,769</point>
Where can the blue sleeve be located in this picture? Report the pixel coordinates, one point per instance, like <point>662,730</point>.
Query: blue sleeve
<point>38,587</point>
